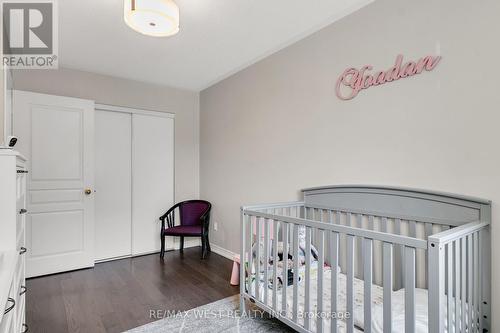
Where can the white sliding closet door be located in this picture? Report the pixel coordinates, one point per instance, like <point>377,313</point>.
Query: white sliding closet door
<point>113,197</point>
<point>56,134</point>
<point>152,179</point>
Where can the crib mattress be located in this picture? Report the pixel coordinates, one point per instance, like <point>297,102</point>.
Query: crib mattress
<point>398,307</point>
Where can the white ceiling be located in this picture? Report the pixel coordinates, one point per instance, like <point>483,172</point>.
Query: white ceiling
<point>217,37</point>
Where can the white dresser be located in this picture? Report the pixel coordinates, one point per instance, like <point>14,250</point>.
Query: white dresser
<point>12,241</point>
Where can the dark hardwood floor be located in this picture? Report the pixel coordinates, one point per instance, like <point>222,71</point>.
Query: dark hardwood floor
<point>119,295</point>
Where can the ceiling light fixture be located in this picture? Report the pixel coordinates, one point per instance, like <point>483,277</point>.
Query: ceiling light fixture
<point>158,18</point>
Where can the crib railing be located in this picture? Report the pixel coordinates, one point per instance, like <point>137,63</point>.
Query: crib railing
<point>459,284</point>
<point>285,220</point>
<point>454,281</point>
<point>410,226</point>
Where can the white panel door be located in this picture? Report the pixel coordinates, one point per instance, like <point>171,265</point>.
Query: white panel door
<point>113,183</point>
<point>7,103</point>
<point>152,179</point>
<point>56,134</point>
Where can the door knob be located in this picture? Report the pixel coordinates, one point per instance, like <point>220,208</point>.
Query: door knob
<point>88,191</point>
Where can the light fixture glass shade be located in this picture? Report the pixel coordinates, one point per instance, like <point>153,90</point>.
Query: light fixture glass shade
<point>159,18</point>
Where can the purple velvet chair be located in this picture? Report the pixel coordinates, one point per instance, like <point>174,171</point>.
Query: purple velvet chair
<point>195,221</point>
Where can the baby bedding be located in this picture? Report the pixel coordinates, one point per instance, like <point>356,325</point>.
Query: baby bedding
<point>398,310</point>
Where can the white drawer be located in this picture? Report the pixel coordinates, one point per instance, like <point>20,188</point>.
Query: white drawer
<point>21,203</point>
<point>20,186</point>
<point>9,324</point>
<point>20,237</point>
<point>20,297</point>
<point>20,314</point>
<point>12,322</point>
<point>19,274</point>
<point>8,321</point>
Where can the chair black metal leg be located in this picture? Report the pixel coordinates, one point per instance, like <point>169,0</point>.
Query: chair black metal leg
<point>182,243</point>
<point>162,252</point>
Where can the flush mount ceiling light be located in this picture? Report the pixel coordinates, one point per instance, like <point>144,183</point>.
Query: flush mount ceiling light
<point>158,18</point>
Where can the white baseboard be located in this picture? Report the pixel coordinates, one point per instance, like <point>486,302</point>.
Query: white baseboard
<point>223,252</point>
<point>188,242</point>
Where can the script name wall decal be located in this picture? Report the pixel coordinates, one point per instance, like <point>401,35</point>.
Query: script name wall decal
<point>353,80</point>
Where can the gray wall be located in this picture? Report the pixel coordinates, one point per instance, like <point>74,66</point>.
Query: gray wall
<point>2,106</point>
<point>277,126</point>
<point>122,92</point>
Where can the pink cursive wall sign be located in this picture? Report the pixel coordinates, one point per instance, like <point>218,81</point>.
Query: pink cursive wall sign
<point>353,80</point>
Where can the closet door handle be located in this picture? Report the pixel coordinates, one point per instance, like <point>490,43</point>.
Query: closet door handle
<point>22,171</point>
<point>23,211</point>
<point>23,290</point>
<point>26,328</point>
<point>23,250</point>
<point>9,309</point>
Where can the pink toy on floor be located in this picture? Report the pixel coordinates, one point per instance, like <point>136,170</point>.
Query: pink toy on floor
<point>235,275</point>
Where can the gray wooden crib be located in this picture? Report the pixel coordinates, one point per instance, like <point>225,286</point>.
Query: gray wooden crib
<point>375,259</point>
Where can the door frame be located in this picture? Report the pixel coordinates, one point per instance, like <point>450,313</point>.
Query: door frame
<point>153,113</point>
<point>8,104</point>
<point>114,108</point>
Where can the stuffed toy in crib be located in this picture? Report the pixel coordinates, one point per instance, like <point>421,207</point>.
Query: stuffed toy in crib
<point>283,263</point>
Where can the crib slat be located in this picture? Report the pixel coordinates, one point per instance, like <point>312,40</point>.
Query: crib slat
<point>469,284</point>
<point>338,220</point>
<point>464,279</point>
<point>367,263</point>
<point>350,279</point>
<point>457,285</point>
<point>409,289</point>
<point>307,301</point>
<point>359,248</point>
<point>413,229</point>
<point>251,268</point>
<point>449,280</point>
<point>334,255</point>
<point>384,228</point>
<point>398,258</point>
<point>428,232</point>
<point>387,283</point>
<point>257,258</point>
<point>275,265</point>
<point>476,281</point>
<point>266,260</point>
<point>285,267</point>
<point>480,285</point>
<point>295,272</point>
<point>242,260</point>
<point>321,260</point>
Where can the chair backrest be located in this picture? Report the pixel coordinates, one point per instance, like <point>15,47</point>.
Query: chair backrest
<point>192,210</point>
